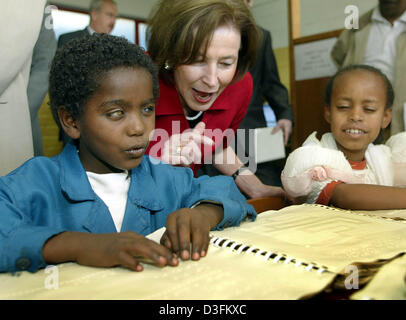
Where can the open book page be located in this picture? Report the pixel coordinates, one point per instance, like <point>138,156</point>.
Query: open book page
<point>222,274</point>
<point>323,236</point>
<point>388,283</point>
<point>156,235</point>
<point>310,234</point>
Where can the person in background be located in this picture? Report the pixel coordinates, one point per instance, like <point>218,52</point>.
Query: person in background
<point>203,49</point>
<point>345,169</point>
<point>380,41</point>
<point>21,25</point>
<point>268,87</point>
<point>96,201</point>
<point>44,51</point>
<point>103,15</point>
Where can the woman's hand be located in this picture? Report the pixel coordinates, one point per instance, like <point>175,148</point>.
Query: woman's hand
<point>270,191</point>
<point>184,149</point>
<point>126,249</point>
<point>250,184</point>
<point>246,181</point>
<point>263,190</point>
<point>286,126</point>
<point>187,230</point>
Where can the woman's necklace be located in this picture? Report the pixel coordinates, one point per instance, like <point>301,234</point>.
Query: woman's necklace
<point>196,116</point>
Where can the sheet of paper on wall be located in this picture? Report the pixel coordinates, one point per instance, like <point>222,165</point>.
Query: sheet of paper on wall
<point>313,59</point>
<point>268,146</point>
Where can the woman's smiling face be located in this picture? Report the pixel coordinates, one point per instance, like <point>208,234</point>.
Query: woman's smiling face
<point>201,82</point>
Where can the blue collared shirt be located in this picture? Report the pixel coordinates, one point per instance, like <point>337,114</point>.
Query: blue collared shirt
<point>47,196</point>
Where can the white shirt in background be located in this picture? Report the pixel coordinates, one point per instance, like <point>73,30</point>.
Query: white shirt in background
<point>381,47</point>
<point>90,29</point>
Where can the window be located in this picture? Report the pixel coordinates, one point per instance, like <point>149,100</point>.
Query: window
<point>142,31</point>
<point>125,28</point>
<point>68,20</point>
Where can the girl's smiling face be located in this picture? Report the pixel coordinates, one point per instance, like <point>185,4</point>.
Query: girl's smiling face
<point>357,111</point>
<point>200,83</point>
<point>114,129</point>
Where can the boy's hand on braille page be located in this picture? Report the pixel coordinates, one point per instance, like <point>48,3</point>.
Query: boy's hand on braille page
<point>126,249</point>
<point>187,230</point>
<point>129,249</point>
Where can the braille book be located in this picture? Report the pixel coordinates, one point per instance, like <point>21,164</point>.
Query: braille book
<point>292,253</point>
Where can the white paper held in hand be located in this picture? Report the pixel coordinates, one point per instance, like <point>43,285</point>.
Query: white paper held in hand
<point>268,146</point>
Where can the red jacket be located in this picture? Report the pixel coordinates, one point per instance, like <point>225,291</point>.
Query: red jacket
<point>226,112</point>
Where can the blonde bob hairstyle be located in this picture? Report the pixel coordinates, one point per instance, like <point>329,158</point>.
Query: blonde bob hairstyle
<point>179,29</point>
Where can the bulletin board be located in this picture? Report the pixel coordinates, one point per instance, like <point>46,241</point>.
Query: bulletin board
<point>311,68</point>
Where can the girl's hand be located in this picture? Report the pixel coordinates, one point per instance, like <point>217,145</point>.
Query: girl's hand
<point>184,149</point>
<point>125,249</point>
<point>187,230</point>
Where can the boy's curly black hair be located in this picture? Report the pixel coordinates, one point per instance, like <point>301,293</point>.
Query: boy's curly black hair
<point>79,67</point>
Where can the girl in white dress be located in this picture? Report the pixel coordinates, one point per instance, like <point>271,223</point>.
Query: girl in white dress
<point>345,169</point>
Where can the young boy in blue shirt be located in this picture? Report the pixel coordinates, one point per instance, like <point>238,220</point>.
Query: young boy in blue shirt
<point>95,202</point>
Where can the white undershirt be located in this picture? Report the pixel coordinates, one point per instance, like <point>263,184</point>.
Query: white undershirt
<point>90,29</point>
<point>381,47</point>
<point>112,188</point>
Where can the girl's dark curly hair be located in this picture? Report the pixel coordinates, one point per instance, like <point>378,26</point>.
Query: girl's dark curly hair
<point>79,67</point>
<point>390,95</point>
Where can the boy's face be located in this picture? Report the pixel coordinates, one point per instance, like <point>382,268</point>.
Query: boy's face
<point>357,112</point>
<point>114,129</point>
